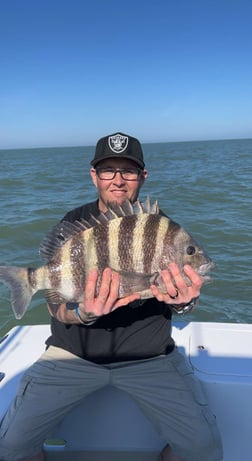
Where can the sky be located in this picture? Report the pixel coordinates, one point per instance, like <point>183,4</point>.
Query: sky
<point>72,71</point>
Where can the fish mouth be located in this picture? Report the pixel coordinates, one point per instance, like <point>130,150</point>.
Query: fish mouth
<point>204,269</point>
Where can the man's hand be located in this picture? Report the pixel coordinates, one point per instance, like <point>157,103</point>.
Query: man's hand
<point>178,292</point>
<point>107,300</point>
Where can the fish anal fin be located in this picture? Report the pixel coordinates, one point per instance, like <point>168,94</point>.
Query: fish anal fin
<point>54,297</point>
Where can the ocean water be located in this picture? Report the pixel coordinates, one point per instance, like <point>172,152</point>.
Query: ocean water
<point>205,186</point>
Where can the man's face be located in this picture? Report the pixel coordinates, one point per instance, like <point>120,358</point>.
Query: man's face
<point>117,189</point>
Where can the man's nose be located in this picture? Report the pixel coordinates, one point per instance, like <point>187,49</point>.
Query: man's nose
<point>118,179</point>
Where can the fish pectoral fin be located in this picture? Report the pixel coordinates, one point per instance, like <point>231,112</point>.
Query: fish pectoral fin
<point>53,297</point>
<point>135,282</point>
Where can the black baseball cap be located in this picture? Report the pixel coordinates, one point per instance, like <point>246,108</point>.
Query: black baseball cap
<point>119,145</point>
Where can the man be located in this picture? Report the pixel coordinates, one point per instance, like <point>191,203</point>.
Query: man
<point>124,342</point>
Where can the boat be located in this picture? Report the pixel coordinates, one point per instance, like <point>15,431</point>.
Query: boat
<point>109,426</point>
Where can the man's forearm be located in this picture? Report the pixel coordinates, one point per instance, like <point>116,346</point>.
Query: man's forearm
<point>72,313</point>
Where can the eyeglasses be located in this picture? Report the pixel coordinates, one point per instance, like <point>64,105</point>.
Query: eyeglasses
<point>128,174</point>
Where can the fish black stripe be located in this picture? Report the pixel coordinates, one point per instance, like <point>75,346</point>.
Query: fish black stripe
<point>168,243</point>
<point>53,272</point>
<point>126,242</point>
<point>77,262</point>
<point>149,242</point>
<point>101,239</point>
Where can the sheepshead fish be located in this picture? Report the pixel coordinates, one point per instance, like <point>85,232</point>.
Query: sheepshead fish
<point>134,240</point>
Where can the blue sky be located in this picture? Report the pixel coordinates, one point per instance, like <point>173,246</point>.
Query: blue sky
<point>72,71</point>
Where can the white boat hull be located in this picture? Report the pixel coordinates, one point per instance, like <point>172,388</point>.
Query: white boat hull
<point>109,426</point>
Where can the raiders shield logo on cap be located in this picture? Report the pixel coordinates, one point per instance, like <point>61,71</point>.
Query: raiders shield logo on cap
<point>118,143</point>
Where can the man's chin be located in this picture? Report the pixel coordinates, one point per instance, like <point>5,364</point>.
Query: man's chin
<point>118,197</point>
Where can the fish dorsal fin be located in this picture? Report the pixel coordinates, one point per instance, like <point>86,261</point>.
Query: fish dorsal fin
<point>146,207</point>
<point>65,230</point>
<point>129,209</point>
<point>59,235</point>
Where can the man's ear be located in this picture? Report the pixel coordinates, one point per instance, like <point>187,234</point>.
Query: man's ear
<point>143,177</point>
<point>93,176</point>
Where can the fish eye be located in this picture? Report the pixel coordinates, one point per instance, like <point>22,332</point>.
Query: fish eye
<point>191,250</point>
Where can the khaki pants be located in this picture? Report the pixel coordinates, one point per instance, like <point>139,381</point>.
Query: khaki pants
<point>164,387</point>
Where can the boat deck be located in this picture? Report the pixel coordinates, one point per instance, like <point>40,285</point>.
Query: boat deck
<point>115,429</point>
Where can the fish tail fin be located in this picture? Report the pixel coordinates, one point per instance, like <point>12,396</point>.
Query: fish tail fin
<point>17,279</point>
